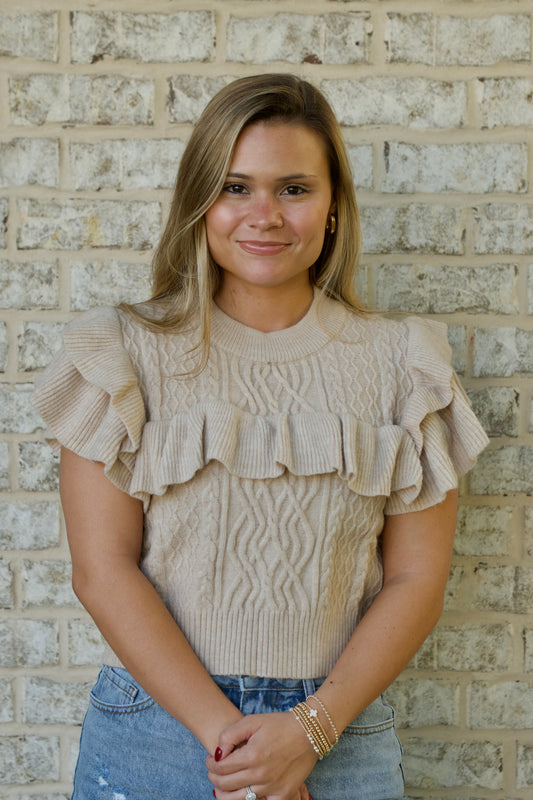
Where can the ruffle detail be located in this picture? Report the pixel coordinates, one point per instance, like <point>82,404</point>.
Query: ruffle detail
<point>91,400</point>
<point>437,415</point>
<point>373,461</point>
<point>89,396</point>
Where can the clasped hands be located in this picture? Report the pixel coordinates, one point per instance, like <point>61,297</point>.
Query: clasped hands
<point>268,752</point>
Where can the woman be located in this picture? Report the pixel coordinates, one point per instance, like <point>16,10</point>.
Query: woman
<point>258,479</point>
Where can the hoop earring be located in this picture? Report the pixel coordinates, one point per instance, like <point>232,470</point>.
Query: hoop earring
<point>331,225</point>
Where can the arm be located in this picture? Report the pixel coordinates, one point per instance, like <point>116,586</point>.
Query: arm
<point>104,529</point>
<point>417,549</point>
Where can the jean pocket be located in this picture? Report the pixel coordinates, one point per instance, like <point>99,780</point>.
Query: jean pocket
<point>116,692</point>
<point>376,718</point>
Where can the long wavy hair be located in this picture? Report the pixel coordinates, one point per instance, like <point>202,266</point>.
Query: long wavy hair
<point>184,276</point>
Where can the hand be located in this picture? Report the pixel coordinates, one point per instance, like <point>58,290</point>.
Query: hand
<point>269,752</point>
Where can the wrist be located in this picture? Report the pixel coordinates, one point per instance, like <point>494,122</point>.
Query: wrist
<point>325,718</point>
<point>309,716</point>
<point>215,723</point>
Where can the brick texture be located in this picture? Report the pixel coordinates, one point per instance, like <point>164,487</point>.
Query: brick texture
<point>435,102</point>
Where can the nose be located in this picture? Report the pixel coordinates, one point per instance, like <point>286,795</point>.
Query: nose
<point>265,212</point>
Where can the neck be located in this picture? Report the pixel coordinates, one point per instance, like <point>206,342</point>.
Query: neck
<point>266,309</point>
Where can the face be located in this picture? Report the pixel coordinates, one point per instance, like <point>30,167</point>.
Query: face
<point>267,227</point>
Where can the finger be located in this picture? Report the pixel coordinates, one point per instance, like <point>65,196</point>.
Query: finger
<point>235,761</point>
<point>235,735</point>
<point>240,793</point>
<point>233,783</point>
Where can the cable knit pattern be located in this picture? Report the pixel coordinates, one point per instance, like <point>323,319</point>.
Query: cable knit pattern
<point>266,477</point>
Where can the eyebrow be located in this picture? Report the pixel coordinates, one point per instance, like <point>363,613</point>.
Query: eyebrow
<point>296,177</point>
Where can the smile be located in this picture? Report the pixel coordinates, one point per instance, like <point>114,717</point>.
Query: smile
<point>262,248</point>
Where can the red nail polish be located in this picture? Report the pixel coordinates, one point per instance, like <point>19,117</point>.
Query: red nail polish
<point>218,754</point>
<point>214,793</point>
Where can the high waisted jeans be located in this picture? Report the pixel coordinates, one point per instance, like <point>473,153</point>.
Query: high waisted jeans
<point>131,749</point>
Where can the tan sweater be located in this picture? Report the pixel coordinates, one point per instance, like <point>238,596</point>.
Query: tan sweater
<point>265,478</point>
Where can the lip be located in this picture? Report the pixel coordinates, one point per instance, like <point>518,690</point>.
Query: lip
<point>262,248</point>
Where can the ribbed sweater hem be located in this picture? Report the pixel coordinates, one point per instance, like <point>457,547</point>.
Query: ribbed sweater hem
<point>222,642</point>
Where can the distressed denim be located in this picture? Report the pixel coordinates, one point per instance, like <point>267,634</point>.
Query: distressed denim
<point>131,749</point>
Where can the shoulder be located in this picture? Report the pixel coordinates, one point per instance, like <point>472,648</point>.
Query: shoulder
<point>408,338</point>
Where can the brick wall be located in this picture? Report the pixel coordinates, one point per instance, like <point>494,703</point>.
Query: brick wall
<point>436,103</point>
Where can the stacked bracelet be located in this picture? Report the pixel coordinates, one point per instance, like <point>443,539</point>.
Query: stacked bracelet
<point>314,730</point>
<point>324,709</point>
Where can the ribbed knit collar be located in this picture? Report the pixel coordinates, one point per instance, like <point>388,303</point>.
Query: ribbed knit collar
<point>322,321</point>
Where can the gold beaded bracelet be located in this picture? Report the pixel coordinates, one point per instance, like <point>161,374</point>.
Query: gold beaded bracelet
<point>314,730</point>
<point>320,745</point>
<point>326,714</point>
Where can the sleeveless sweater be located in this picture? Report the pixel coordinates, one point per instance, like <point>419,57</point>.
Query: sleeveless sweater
<point>265,478</point>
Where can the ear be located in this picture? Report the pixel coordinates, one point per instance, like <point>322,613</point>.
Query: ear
<point>333,207</point>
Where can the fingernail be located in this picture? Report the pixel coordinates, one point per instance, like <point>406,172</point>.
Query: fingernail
<point>214,793</point>
<point>218,754</point>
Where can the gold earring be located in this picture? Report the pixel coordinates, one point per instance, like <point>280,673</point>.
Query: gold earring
<point>331,225</point>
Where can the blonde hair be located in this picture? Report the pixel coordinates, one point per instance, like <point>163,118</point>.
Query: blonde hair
<point>184,276</point>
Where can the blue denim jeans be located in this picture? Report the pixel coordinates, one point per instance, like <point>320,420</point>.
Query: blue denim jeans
<point>131,749</point>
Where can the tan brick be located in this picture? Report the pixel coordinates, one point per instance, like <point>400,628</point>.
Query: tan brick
<point>47,701</point>
<point>503,588</point>
<point>436,168</point>
<point>26,759</point>
<point>410,37</point>
<point>29,35</point>
<point>29,161</point>
<point>502,352</point>
<point>38,343</point>
<point>74,223</point>
<point>80,99</point>
<point>507,470</point>
<point>25,285</point>
<point>420,702</point>
<point>450,41</point>
<point>482,531</point>
<point>122,164</point>
<point>504,228</point>
<point>524,769</point>
<point>452,593</point>
<point>496,407</point>
<point>412,228</point>
<point>433,764</point>
<point>505,101</point>
<point>299,38</point>
<point>29,643</point>
<point>7,597</point>
<point>7,701</point>
<point>85,644</point>
<point>528,520</point>
<point>3,221</point>
<point>4,465</point>
<point>473,647</point>
<point>29,526</point>
<point>446,289</point>
<point>106,282</point>
<point>38,467</point>
<point>361,164</point>
<point>17,414</point>
<point>502,705</point>
<point>47,583</point>
<point>457,341</point>
<point>410,102</point>
<point>4,346</point>
<point>189,94</point>
<point>184,36</point>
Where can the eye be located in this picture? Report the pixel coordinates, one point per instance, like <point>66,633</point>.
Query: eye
<point>234,188</point>
<point>294,190</point>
